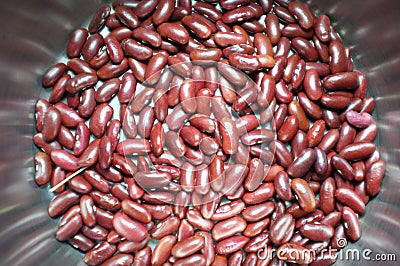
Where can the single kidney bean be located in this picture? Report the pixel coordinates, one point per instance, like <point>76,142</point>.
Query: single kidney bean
<point>98,19</point>
<point>299,143</point>
<point>87,103</point>
<point>338,62</point>
<point>282,186</point>
<point>329,140</point>
<point>127,16</point>
<point>367,134</point>
<point>311,108</point>
<point>305,49</point>
<point>133,146</point>
<point>157,139</point>
<point>107,90</point>
<point>92,46</point>
<point>76,41</point>
<point>294,108</point>
<point>65,160</point>
<point>302,13</point>
<point>321,162</point>
<point>261,194</point>
<point>165,227</point>
<point>188,246</point>
<point>272,28</point>
<point>195,218</point>
<point>343,167</point>
<point>146,120</point>
<point>359,120</point>
<point>317,232</point>
<point>257,212</point>
<point>136,50</point>
<point>81,242</point>
<point>282,92</point>
<point>79,66</point>
<point>79,184</point>
<point>51,124</point>
<point>302,164</point>
<point>312,85</point>
<point>69,228</point>
<point>351,199</point>
<point>357,151</point>
<point>53,74</point>
<point>322,28</point>
<point>231,244</point>
<point>100,118</point>
<point>90,155</point>
<point>87,210</point>
<point>351,224</point>
<point>282,229</point>
<point>99,253</point>
<point>374,176</point>
<point>141,99</point>
<point>288,129</point>
<point>43,168</point>
<point>305,195</point>
<point>130,229</point>
<point>316,133</point>
<point>173,31</point>
<point>111,70</point>
<point>62,203</point>
<point>346,137</point>
<point>162,250</point>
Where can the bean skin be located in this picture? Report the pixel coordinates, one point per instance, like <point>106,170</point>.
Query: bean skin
<point>374,177</point>
<point>306,197</point>
<point>174,31</point>
<point>76,41</point>
<point>231,245</point>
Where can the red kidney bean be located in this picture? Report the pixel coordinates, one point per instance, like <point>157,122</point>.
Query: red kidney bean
<point>53,74</point>
<point>343,167</point>
<point>69,228</point>
<point>130,229</point>
<point>272,28</point>
<point>304,48</point>
<point>98,19</point>
<point>76,41</point>
<point>87,103</point>
<point>329,140</point>
<point>81,242</point>
<point>165,227</point>
<point>257,212</point>
<point>357,151</point>
<point>288,129</point>
<point>99,253</point>
<point>162,250</point>
<point>79,66</point>
<point>351,224</point>
<point>338,61</point>
<point>316,133</point>
<point>282,229</point>
<point>133,146</point>
<point>282,93</point>
<point>302,13</point>
<point>100,118</point>
<point>263,193</point>
<point>43,168</point>
<point>92,46</point>
<point>188,246</point>
<point>302,164</point>
<point>231,244</point>
<point>51,124</point>
<point>317,232</point>
<point>173,31</point>
<point>282,186</point>
<point>295,30</point>
<point>305,195</point>
<point>141,99</point>
<point>62,203</point>
<point>374,176</point>
<point>298,144</point>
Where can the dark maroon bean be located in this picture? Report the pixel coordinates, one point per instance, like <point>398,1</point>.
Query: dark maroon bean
<point>99,253</point>
<point>53,74</point>
<point>43,168</point>
<point>76,42</point>
<point>305,195</point>
<point>272,28</point>
<point>111,70</point>
<point>302,13</point>
<point>305,49</point>
<point>97,21</point>
<point>351,224</point>
<point>302,164</point>
<point>241,13</point>
<point>127,16</point>
<point>373,179</point>
<point>92,46</point>
<point>338,61</point>
<point>62,203</point>
<point>100,118</point>
<point>136,50</point>
<point>163,12</point>
<point>174,31</point>
<point>51,124</point>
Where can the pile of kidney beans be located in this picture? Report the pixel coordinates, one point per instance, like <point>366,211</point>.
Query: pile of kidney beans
<point>207,133</point>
